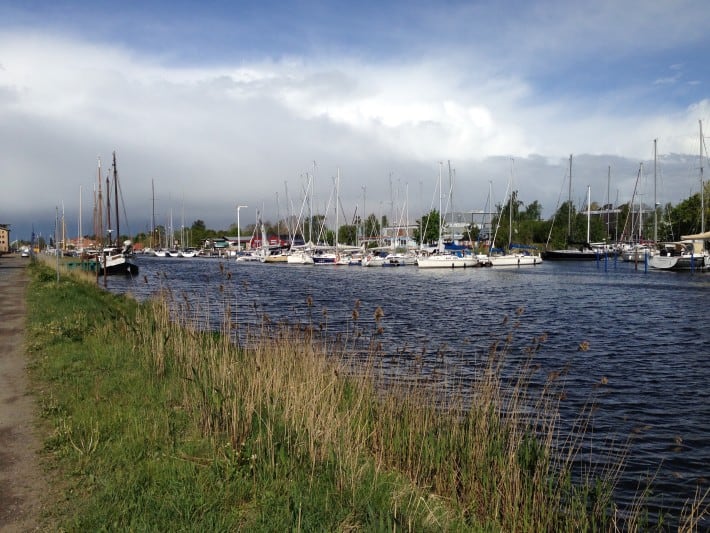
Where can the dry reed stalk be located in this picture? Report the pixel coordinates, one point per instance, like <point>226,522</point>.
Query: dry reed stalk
<point>469,454</point>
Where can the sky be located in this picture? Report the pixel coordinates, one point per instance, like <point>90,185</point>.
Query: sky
<point>214,104</point>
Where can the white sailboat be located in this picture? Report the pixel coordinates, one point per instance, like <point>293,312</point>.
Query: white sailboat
<point>686,254</point>
<point>326,254</point>
<point>375,258</point>
<point>257,254</point>
<point>299,257</point>
<point>638,251</point>
<point>442,258</point>
<point>526,255</point>
<point>303,254</point>
<point>689,253</point>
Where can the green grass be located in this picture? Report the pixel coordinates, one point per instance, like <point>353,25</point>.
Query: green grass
<point>156,426</point>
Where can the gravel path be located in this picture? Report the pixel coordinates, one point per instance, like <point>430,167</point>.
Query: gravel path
<point>22,482</point>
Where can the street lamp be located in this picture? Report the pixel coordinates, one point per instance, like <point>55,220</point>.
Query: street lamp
<point>239,239</point>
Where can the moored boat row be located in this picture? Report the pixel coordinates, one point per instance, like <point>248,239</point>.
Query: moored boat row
<point>377,258</point>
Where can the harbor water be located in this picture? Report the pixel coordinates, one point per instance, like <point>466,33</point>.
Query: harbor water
<point>633,344</point>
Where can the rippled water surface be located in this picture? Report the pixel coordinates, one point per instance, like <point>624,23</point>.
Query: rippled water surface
<point>636,343</point>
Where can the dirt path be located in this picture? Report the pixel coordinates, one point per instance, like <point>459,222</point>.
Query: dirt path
<point>22,483</point>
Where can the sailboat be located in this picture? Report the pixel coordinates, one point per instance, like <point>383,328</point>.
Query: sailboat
<point>115,259</point>
<point>326,254</point>
<point>302,254</point>
<point>689,253</point>
<point>585,251</point>
<point>527,254</point>
<point>401,254</point>
<point>639,249</point>
<point>256,254</point>
<point>443,258</point>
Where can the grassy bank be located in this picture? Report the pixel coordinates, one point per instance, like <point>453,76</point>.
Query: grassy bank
<point>157,426</point>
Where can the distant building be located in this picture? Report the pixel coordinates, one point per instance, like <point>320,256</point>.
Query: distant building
<point>4,238</point>
<point>81,243</point>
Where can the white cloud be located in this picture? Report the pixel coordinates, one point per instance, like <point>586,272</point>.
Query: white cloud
<point>217,135</point>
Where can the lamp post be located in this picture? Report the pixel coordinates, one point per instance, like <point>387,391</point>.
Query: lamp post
<point>239,239</point>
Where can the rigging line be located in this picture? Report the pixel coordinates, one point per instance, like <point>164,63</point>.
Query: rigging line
<point>557,208</point>
<point>325,216</point>
<point>431,208</point>
<point>123,206</point>
<point>631,207</point>
<point>495,234</point>
<point>304,204</point>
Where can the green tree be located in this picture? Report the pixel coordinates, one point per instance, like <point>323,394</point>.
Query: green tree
<point>558,234</point>
<point>199,232</point>
<point>533,211</point>
<point>429,225</point>
<point>685,217</point>
<point>347,234</point>
<point>527,228</point>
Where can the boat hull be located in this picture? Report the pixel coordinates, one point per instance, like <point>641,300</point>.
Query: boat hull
<point>299,258</point>
<point>118,265</point>
<point>401,260</point>
<point>324,259</point>
<point>276,258</point>
<point>446,261</point>
<point>572,255</point>
<point>678,262</point>
<point>373,261</point>
<point>515,260</point>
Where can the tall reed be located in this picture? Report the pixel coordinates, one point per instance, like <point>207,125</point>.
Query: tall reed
<point>486,455</point>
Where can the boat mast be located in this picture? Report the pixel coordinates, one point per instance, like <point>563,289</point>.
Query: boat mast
<point>489,206</point>
<point>589,212</point>
<point>655,200</point>
<point>278,218</point>
<point>569,202</point>
<point>152,228</point>
<point>115,195</point>
<point>640,208</point>
<point>289,214</point>
<point>510,206</point>
<point>98,210</point>
<point>702,182</point>
<point>310,222</point>
<point>108,209</point>
<point>337,198</point>
<point>440,244</point>
<point>407,215</point>
<point>182,224</point>
<point>450,201</point>
<point>80,242</point>
<point>364,213</point>
<point>608,203</point>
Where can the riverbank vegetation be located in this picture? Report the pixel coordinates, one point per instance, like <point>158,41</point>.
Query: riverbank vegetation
<point>159,423</point>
